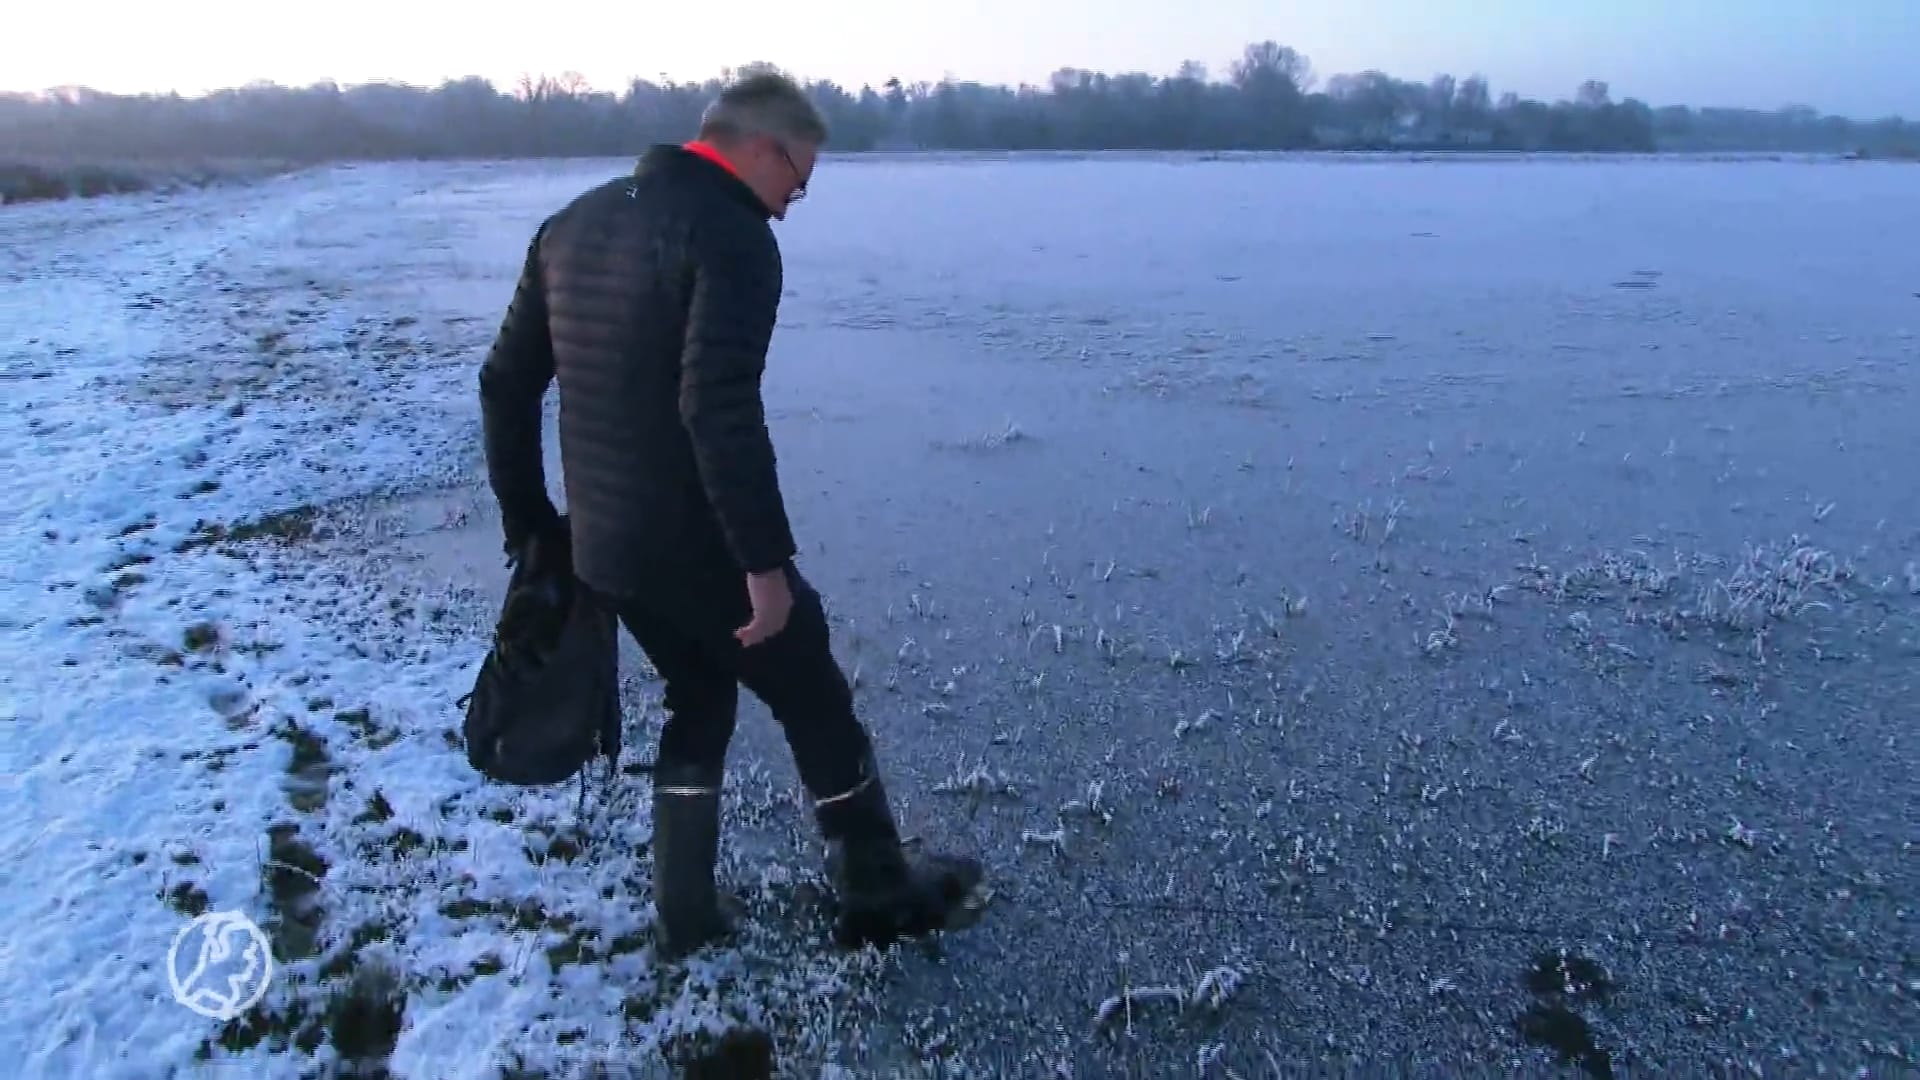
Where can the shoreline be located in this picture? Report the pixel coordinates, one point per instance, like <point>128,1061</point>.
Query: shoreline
<point>25,183</point>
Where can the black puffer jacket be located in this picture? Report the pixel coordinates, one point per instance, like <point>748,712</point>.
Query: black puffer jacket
<point>651,299</point>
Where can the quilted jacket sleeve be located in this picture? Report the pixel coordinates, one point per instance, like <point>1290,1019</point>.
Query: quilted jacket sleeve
<point>735,300</point>
<point>513,380</point>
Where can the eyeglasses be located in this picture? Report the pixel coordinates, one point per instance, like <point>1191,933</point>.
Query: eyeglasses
<point>799,181</point>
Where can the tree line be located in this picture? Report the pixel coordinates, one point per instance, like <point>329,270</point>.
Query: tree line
<point>1268,99</point>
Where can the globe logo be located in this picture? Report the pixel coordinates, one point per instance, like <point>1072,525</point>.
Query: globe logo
<point>219,965</point>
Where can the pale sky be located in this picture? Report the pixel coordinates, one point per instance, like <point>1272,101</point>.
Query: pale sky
<point>1859,58</point>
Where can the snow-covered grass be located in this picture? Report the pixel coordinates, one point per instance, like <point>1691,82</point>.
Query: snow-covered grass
<point>212,703</point>
<point>1534,438</point>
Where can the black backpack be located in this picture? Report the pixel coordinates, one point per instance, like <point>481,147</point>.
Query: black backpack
<point>546,701</point>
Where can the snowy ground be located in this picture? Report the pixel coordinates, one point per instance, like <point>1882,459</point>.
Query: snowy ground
<point>1387,575</point>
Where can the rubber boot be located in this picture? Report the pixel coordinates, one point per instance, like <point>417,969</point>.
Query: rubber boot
<point>691,912</point>
<point>884,893</point>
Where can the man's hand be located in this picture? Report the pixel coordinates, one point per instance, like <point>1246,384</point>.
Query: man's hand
<point>772,597</point>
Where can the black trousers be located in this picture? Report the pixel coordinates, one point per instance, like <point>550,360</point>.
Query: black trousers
<point>688,636</point>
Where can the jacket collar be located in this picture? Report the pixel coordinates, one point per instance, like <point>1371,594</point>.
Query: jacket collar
<point>711,153</point>
<point>692,163</point>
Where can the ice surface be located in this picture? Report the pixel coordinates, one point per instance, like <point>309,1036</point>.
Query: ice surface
<point>1442,562</point>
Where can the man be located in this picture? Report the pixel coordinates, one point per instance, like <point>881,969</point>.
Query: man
<point>651,299</point>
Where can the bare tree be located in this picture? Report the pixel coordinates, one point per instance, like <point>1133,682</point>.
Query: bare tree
<point>1270,63</point>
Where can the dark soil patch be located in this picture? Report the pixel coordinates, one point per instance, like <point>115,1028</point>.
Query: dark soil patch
<point>741,1053</point>
<point>1560,982</point>
<point>363,725</point>
<point>310,769</point>
<point>363,1020</point>
<point>200,637</point>
<point>287,526</point>
<point>293,874</point>
<point>186,898</point>
<point>378,810</point>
